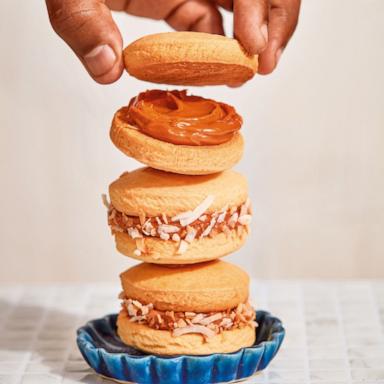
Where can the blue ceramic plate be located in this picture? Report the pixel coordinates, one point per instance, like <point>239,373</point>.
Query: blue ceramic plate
<point>108,356</point>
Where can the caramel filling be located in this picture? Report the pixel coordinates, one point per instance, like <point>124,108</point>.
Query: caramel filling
<point>180,323</point>
<point>175,229</point>
<point>178,118</point>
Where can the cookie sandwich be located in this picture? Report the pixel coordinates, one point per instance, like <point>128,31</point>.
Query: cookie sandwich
<point>180,133</point>
<point>167,218</point>
<point>196,310</point>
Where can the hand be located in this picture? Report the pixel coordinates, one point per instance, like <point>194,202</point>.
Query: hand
<point>263,27</point>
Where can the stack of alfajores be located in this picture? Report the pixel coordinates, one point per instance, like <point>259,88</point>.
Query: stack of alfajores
<point>186,209</point>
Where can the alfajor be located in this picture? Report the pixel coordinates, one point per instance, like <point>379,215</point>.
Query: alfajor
<point>167,218</point>
<point>189,58</point>
<point>180,133</point>
<point>196,310</point>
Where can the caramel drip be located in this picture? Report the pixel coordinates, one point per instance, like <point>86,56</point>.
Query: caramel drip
<point>178,118</point>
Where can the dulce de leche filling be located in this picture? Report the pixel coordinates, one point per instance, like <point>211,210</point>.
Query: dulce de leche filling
<point>182,228</point>
<point>178,118</point>
<point>181,323</point>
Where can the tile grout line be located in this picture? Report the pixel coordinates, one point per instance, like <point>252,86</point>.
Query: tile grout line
<point>264,293</point>
<point>376,310</point>
<point>258,288</point>
<point>302,310</point>
<point>342,332</point>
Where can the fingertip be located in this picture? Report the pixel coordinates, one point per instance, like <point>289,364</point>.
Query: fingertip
<point>265,70</point>
<point>248,45</point>
<point>88,28</point>
<point>111,76</point>
<point>269,59</point>
<point>252,47</point>
<point>278,55</point>
<point>105,63</point>
<point>254,41</point>
<point>100,60</point>
<point>266,65</point>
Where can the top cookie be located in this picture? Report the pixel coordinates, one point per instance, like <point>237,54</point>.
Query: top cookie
<point>203,287</point>
<point>189,58</point>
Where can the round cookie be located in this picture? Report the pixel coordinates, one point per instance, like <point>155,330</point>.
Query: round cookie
<point>189,58</point>
<point>167,252</point>
<point>163,343</point>
<point>204,293</point>
<point>168,218</point>
<point>204,287</point>
<point>182,159</point>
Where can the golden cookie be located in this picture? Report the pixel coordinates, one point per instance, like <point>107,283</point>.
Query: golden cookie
<point>189,58</point>
<point>163,343</point>
<point>204,287</point>
<point>168,218</point>
<point>198,310</point>
<point>179,133</point>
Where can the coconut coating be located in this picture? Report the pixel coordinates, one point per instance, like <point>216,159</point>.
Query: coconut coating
<point>163,343</point>
<point>166,252</point>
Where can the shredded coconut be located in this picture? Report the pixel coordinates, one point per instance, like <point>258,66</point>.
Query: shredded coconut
<point>105,200</point>
<point>185,227</point>
<point>189,217</point>
<point>194,329</point>
<point>164,217</point>
<point>245,219</point>
<point>180,323</point>
<point>142,218</point>
<point>233,219</point>
<point>176,237</point>
<point>168,228</point>
<point>134,233</point>
<point>164,236</point>
<point>208,230</point>
<point>182,247</point>
<point>191,234</point>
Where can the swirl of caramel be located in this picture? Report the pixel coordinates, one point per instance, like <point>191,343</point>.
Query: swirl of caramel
<point>178,118</point>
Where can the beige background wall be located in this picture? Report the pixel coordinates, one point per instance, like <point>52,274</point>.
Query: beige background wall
<point>314,149</point>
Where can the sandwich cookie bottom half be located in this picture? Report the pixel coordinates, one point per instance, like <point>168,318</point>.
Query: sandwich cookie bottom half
<point>167,218</point>
<point>197,310</point>
<point>176,132</point>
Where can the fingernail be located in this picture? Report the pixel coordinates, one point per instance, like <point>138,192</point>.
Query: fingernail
<point>264,32</point>
<point>278,54</point>
<point>100,60</point>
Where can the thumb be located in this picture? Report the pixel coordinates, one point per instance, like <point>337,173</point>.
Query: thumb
<point>88,28</point>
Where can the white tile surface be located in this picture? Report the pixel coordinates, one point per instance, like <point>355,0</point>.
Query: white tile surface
<point>334,331</point>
